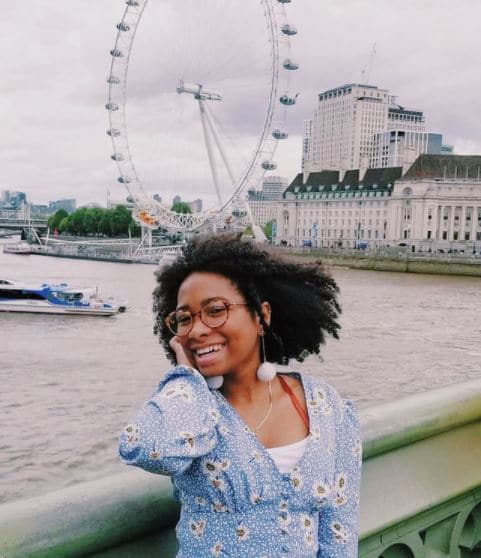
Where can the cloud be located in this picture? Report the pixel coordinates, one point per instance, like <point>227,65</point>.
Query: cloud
<point>56,59</point>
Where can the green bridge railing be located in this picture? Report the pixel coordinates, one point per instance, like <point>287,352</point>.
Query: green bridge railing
<point>421,493</point>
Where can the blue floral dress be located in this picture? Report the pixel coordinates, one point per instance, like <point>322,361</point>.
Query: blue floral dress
<point>235,502</point>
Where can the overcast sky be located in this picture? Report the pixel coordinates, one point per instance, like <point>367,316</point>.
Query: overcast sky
<point>55,59</point>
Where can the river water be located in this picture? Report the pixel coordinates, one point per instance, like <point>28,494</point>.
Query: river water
<point>69,384</point>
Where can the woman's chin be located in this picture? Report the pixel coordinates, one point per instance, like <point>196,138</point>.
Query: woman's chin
<point>209,372</point>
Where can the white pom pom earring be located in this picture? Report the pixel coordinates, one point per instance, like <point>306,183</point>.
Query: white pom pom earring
<point>266,371</point>
<point>215,382</point>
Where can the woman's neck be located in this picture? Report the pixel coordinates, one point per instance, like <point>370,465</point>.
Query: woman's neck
<point>243,388</point>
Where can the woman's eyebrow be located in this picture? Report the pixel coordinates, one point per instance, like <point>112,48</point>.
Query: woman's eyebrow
<point>202,302</point>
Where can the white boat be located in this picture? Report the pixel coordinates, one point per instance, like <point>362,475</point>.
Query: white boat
<point>22,248</point>
<point>54,299</point>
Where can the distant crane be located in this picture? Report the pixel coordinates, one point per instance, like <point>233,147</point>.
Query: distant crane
<point>366,71</point>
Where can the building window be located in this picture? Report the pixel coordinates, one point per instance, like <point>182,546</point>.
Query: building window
<point>466,236</point>
<point>455,235</point>
<point>429,235</point>
<point>445,235</point>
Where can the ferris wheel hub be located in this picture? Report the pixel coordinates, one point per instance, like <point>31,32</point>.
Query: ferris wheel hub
<point>198,91</point>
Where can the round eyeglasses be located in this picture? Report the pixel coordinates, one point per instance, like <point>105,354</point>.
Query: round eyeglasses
<point>214,313</point>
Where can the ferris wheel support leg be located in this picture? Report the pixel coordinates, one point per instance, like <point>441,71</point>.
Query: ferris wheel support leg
<point>220,147</point>
<point>145,239</point>
<point>257,231</point>
<point>213,168</point>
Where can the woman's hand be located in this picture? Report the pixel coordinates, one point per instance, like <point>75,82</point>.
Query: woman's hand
<point>182,355</point>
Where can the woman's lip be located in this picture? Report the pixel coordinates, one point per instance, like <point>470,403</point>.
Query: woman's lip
<point>208,358</point>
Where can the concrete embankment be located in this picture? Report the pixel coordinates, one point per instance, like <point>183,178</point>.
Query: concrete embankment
<point>401,264</point>
<point>114,259</point>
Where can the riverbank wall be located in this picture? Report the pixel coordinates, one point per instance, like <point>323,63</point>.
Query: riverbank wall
<point>401,261</point>
<point>91,257</point>
<point>401,264</point>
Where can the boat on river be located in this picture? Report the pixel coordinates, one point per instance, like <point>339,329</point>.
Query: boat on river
<point>54,299</point>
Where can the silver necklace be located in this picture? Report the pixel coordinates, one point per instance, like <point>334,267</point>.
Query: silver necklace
<point>269,410</point>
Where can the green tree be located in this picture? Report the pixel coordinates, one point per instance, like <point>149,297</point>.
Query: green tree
<point>105,226</point>
<point>63,225</point>
<point>76,221</point>
<point>121,219</point>
<point>54,220</point>
<point>181,207</point>
<point>135,229</point>
<point>267,228</point>
<point>92,218</point>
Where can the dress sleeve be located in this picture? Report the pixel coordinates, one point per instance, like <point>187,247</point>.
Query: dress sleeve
<point>174,426</point>
<point>339,520</point>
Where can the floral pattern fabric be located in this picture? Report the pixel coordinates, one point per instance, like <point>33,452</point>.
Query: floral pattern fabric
<point>235,502</point>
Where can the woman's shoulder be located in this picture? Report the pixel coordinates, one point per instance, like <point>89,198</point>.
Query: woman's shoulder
<point>317,388</point>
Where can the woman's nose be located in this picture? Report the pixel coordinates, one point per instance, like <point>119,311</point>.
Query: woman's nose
<point>198,327</point>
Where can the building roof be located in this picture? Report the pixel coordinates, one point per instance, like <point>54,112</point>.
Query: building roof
<point>445,167</point>
<point>324,178</point>
<point>383,176</point>
<point>347,85</point>
<point>328,181</point>
<point>351,177</point>
<point>398,109</point>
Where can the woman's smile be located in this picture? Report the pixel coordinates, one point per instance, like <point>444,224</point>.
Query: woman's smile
<point>208,354</point>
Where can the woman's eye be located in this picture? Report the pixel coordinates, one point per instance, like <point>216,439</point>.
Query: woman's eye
<point>183,319</point>
<point>215,310</point>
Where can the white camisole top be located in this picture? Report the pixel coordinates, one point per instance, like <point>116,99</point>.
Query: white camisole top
<point>285,457</point>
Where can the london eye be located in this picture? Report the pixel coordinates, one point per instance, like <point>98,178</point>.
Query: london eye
<point>209,87</point>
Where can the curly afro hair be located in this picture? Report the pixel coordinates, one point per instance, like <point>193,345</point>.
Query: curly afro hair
<point>303,297</point>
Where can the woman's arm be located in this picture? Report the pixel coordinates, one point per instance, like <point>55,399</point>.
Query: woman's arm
<point>339,520</point>
<point>174,426</point>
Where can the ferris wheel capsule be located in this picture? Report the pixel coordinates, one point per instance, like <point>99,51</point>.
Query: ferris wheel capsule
<point>133,3</point>
<point>268,165</point>
<point>112,107</point>
<point>279,134</point>
<point>114,80</point>
<point>116,52</point>
<point>288,101</point>
<point>289,29</point>
<point>117,157</point>
<point>113,132</point>
<point>284,1</point>
<point>124,180</point>
<point>122,26</point>
<point>289,64</point>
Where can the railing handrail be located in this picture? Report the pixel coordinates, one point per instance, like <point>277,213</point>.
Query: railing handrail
<point>89,517</point>
<point>392,425</point>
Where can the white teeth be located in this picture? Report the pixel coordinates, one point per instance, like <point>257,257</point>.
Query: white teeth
<point>206,350</point>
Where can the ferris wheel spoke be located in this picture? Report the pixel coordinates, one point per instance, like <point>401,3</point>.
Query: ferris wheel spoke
<point>210,154</point>
<point>220,147</point>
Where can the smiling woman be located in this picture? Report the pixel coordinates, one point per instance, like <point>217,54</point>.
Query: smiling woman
<point>259,459</point>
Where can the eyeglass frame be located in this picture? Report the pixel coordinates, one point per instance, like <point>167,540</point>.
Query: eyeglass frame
<point>227,304</point>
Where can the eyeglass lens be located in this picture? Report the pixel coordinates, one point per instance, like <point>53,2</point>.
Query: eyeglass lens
<point>212,314</point>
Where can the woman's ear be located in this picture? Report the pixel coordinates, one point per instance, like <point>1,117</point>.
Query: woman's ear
<point>266,312</point>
